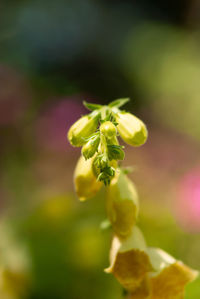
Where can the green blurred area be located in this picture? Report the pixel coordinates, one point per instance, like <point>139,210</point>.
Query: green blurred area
<point>53,56</point>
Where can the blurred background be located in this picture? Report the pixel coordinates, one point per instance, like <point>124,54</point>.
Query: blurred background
<point>54,55</point>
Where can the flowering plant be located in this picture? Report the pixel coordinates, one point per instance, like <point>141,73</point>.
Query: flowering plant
<point>144,272</point>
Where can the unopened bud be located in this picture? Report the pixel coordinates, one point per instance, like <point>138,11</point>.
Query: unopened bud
<point>82,129</point>
<point>90,148</point>
<point>131,129</point>
<point>108,129</point>
<point>86,184</point>
<point>115,152</point>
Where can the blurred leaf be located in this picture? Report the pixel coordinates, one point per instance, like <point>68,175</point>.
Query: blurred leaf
<point>105,224</point>
<point>91,106</point>
<point>119,103</point>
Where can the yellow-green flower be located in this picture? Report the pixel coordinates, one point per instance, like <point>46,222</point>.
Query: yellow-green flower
<point>82,129</point>
<point>86,184</point>
<point>131,129</point>
<point>108,129</point>
<point>122,204</point>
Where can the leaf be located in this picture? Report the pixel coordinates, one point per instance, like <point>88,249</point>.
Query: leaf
<point>118,103</point>
<point>93,136</point>
<point>91,106</point>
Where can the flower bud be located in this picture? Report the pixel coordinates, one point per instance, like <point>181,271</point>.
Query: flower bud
<point>101,162</point>
<point>122,204</point>
<point>90,148</point>
<point>115,152</point>
<point>131,129</point>
<point>86,184</point>
<point>106,175</point>
<point>82,129</point>
<point>108,129</point>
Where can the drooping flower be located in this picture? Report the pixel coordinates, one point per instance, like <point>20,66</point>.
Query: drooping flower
<point>86,184</point>
<point>148,273</point>
<point>129,262</point>
<point>122,204</point>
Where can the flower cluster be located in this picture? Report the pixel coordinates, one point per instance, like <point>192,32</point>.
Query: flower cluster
<point>144,272</point>
<point>98,132</point>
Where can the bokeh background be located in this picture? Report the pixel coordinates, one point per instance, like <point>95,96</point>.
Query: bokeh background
<point>54,55</point>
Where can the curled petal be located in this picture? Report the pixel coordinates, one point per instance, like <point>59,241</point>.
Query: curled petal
<point>129,262</point>
<point>171,276</point>
<point>167,281</point>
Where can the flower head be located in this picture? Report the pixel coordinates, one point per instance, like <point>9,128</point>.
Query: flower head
<point>131,129</point>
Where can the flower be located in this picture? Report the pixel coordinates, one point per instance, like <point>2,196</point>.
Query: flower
<point>131,129</point>
<point>108,129</point>
<point>83,128</point>
<point>86,184</point>
<point>128,261</point>
<point>147,272</point>
<point>122,204</point>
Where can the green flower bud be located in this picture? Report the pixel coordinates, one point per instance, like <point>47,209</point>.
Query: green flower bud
<point>101,163</point>
<point>91,147</point>
<point>83,128</point>
<point>115,152</point>
<point>86,184</point>
<point>131,129</point>
<point>122,204</point>
<point>106,175</point>
<point>108,129</point>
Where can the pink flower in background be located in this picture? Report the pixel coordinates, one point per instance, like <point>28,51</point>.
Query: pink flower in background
<point>53,124</point>
<point>188,201</point>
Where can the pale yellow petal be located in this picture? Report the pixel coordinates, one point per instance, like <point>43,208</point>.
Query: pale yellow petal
<point>171,276</point>
<point>122,204</point>
<point>142,292</point>
<point>170,283</point>
<point>129,262</point>
<point>86,184</point>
